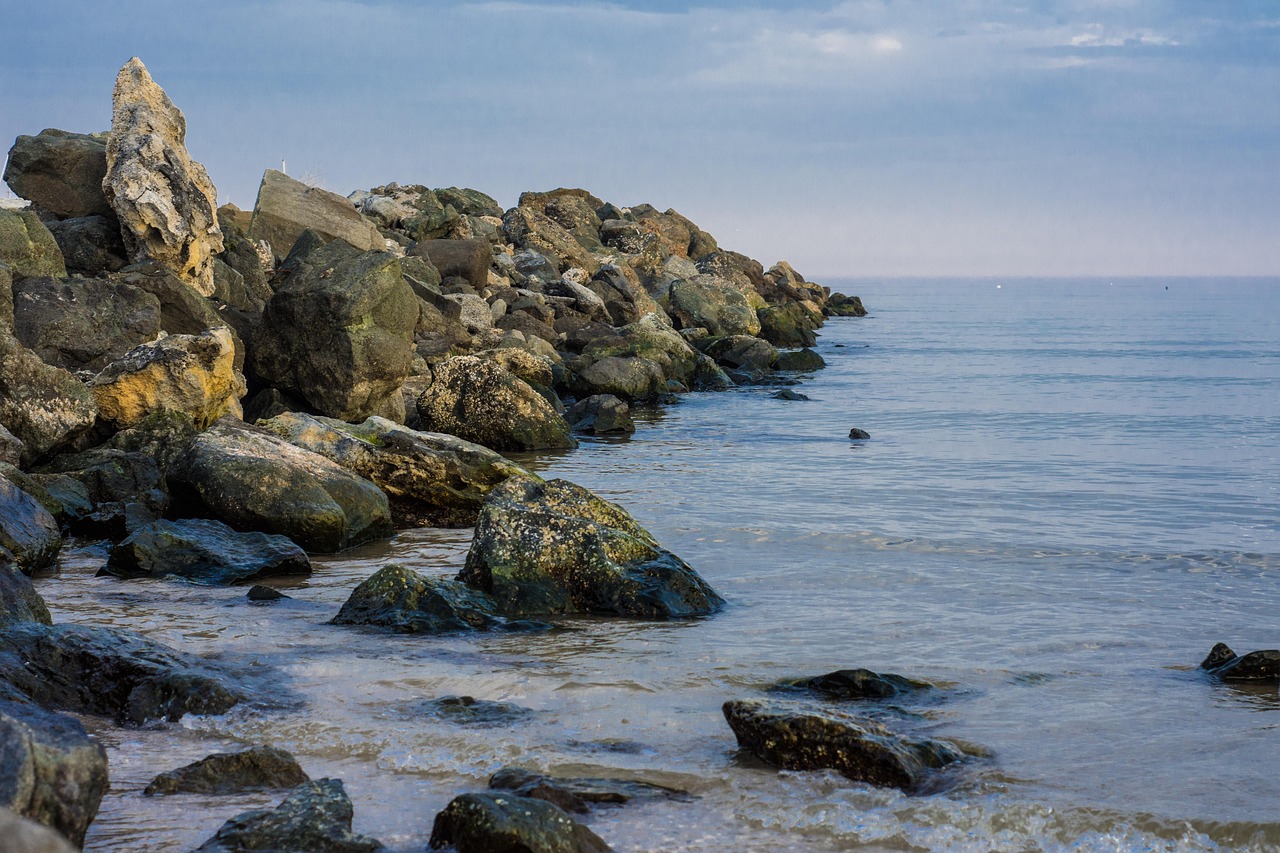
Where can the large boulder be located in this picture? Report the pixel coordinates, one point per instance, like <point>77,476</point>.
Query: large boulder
<point>479,401</point>
<point>626,377</point>
<point>601,414</point>
<point>406,602</point>
<point>90,245</point>
<point>19,601</point>
<point>650,338</point>
<point>625,300</point>
<point>840,305</point>
<point>286,207</point>
<point>338,333</point>
<point>255,480</point>
<point>789,325</point>
<point>315,817</point>
<point>1261,667</point>
<point>508,823</point>
<point>527,228</point>
<point>124,489</point>
<point>574,210</point>
<point>432,479</point>
<point>45,407</point>
<point>468,259</point>
<point>29,536</point>
<point>23,835</point>
<point>182,310</point>
<point>231,773</point>
<point>27,246</point>
<point>109,671</point>
<point>164,200</point>
<point>554,547</point>
<point>82,323</point>
<point>204,551</point>
<point>743,352</point>
<point>795,737</point>
<point>192,375</point>
<point>710,303</point>
<point>50,771</point>
<point>60,172</point>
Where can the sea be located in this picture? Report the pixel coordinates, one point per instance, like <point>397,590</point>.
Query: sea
<point>1070,494</point>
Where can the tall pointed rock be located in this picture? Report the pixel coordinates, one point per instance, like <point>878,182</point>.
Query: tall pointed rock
<point>164,199</point>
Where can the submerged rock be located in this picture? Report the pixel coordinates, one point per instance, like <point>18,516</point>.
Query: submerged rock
<point>506,823</point>
<point>578,794</point>
<point>794,737</point>
<point>406,602</point>
<point>554,547</point>
<point>856,684</point>
<point>601,414</point>
<point>470,711</point>
<point>859,434</point>
<point>231,772</point>
<point>315,818</point>
<point>788,394</point>
<point>1262,667</point>
<point>204,551</point>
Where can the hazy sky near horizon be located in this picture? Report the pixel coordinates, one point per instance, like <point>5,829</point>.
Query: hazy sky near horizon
<point>976,137</point>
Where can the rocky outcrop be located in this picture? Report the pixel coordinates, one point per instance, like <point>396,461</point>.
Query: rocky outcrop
<point>578,794</point>
<point>1262,667</point>
<point>191,375</point>
<point>650,340</point>
<point>19,601</point>
<point>182,310</point>
<point>90,245</point>
<point>789,325</point>
<point>204,551</point>
<point>254,480</point>
<point>527,228</point>
<point>338,333</point>
<point>794,737</point>
<point>432,479</point>
<point>23,835</point>
<point>29,535</point>
<point>82,323</point>
<point>707,302</point>
<point>479,401</point>
<point>27,247</point>
<point>285,208</point>
<point>164,200</point>
<point>855,684</point>
<point>553,547</point>
<point>315,817</point>
<point>466,259</point>
<point>839,305</point>
<point>490,823</point>
<point>408,603</point>
<point>601,414</point>
<point>60,172</point>
<point>231,773</point>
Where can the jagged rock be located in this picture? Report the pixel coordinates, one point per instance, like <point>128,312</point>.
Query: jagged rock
<point>182,310</point>
<point>713,304</point>
<point>787,325</point>
<point>109,671</point>
<point>164,200</point>
<point>506,823</point>
<point>82,323</point>
<point>839,305</point>
<point>530,229</point>
<point>192,375</point>
<point>90,245</point>
<point>27,246</point>
<point>29,535</point>
<point>19,601</point>
<point>51,771</point>
<point>469,202</point>
<point>479,401</point>
<point>743,352</point>
<point>315,817</point>
<point>601,414</point>
<point>744,273</point>
<point>467,259</point>
<point>22,835</point>
<point>286,208</point>
<point>338,333</point>
<point>231,773</point>
<point>408,603</point>
<point>804,360</point>
<point>794,737</point>
<point>10,447</point>
<point>45,407</point>
<point>1261,667</point>
<point>554,547</point>
<point>432,479</point>
<point>574,210</point>
<point>254,480</point>
<point>578,794</point>
<point>204,551</point>
<point>60,172</point>
<point>125,489</point>
<point>782,284</point>
<point>624,299</point>
<point>855,684</point>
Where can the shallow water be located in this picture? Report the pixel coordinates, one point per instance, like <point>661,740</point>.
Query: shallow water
<point>1069,496</point>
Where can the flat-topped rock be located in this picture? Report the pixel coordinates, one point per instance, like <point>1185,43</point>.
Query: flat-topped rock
<point>287,207</point>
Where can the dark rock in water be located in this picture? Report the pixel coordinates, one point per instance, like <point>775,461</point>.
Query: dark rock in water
<point>108,671</point>
<point>231,773</point>
<point>554,547</point>
<point>23,835</point>
<point>787,325</point>
<point>859,434</point>
<point>45,407</point>
<point>315,818</point>
<point>470,711</point>
<point>1261,667</point>
<point>406,602</point>
<point>803,360</point>
<point>204,551</point>
<point>29,535</point>
<point>856,684</point>
<point>61,172</point>
<point>27,246</point>
<point>82,323</point>
<point>601,414</point>
<point>19,601</point>
<point>50,770</point>
<point>258,592</point>
<point>794,737</point>
<point>839,305</point>
<point>580,793</point>
<point>90,245</point>
<point>506,823</point>
<point>788,394</point>
<point>743,352</point>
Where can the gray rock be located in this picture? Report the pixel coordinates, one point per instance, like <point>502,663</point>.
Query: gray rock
<point>467,259</point>
<point>10,447</point>
<point>27,246</point>
<point>82,323</point>
<point>579,794</point>
<point>22,835</point>
<point>45,407</point>
<point>90,245</point>
<point>713,304</point>
<point>125,489</point>
<point>1262,667</point>
<point>19,601</point>
<point>839,305</point>
<point>285,208</point>
<point>182,310</point>
<point>506,823</point>
<point>626,377</point>
<point>60,172</point>
<point>788,394</point>
<point>527,228</point>
<point>29,535</point>
<point>743,352</point>
<point>204,551</point>
<point>859,434</point>
<point>231,773</point>
<point>844,684</point>
<point>408,603</point>
<point>601,414</point>
<point>469,202</point>
<point>804,360</point>
<point>314,818</point>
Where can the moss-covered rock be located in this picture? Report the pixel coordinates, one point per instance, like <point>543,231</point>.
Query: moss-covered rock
<point>707,302</point>
<point>801,360</point>
<point>231,773</point>
<point>82,323</point>
<point>507,823</point>
<point>315,817</point>
<point>29,535</point>
<point>789,325</point>
<point>27,246</point>
<point>399,598</point>
<point>19,601</point>
<point>45,407</point>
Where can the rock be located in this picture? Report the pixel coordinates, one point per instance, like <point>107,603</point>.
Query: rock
<point>29,535</point>
<point>315,817</point>
<point>601,414</point>
<point>254,480</point>
<point>574,210</point>
<point>109,671</point>
<point>204,551</point>
<point>473,312</point>
<point>339,333</point>
<point>505,823</point>
<point>839,305</point>
<point>804,360</point>
<point>45,407</point>
<point>432,479</point>
<point>19,601</point>
<point>90,245</point>
<point>231,773</point>
<point>194,376</point>
<point>554,547</point>
<point>743,352</point>
<point>27,246</point>
<point>26,836</point>
<point>624,299</point>
<point>630,378</point>
<point>467,259</point>
<point>788,394</point>
<point>855,684</point>
<point>648,338</point>
<point>713,304</point>
<point>797,738</point>
<point>408,603</point>
<point>1254,668</point>
<point>859,434</point>
<point>11,447</point>
<point>285,208</point>
<point>182,310</point>
<point>51,771</point>
<point>60,172</point>
<point>479,401</point>
<point>787,325</point>
<point>469,202</point>
<point>164,200</point>
<point>527,228</point>
<point>82,323</point>
<point>578,794</point>
<point>470,711</point>
<point>261,593</point>
<point>125,490</point>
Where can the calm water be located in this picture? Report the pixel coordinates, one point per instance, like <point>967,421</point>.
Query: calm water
<point>1069,497</point>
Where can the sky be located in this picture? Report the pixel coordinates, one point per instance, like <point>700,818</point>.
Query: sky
<point>862,138</point>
